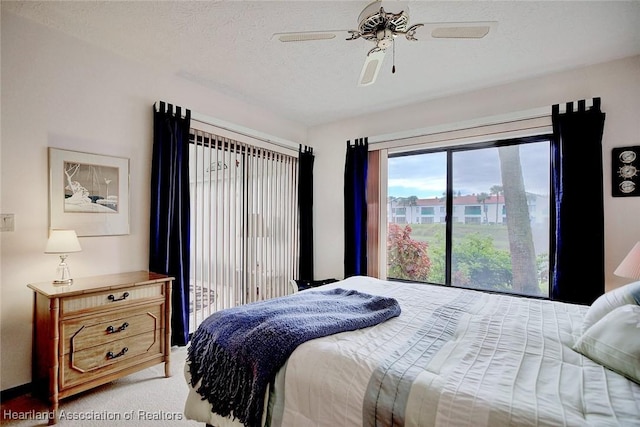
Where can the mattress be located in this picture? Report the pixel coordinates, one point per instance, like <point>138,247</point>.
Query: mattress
<point>453,357</point>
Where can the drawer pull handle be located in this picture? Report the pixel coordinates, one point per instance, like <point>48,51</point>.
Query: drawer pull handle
<point>110,354</point>
<point>112,330</point>
<point>124,296</point>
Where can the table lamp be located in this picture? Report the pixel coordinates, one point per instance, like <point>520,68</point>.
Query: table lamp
<point>62,242</point>
<point>630,265</point>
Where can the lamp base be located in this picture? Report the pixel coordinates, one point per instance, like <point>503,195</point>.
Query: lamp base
<point>63,273</point>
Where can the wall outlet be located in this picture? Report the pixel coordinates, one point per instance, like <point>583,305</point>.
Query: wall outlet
<point>7,222</point>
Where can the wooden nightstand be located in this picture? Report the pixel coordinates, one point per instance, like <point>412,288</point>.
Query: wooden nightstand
<point>98,329</point>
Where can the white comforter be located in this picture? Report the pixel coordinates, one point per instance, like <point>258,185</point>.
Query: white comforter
<point>452,358</point>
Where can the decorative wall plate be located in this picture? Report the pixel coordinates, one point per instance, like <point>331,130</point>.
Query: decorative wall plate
<point>625,170</point>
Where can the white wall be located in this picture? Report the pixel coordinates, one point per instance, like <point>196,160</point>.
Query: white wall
<point>617,83</point>
<point>60,92</point>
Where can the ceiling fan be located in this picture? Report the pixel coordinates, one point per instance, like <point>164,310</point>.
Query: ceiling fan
<point>377,25</point>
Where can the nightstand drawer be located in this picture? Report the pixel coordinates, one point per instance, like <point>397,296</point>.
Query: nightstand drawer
<point>79,366</point>
<point>90,331</point>
<point>109,299</point>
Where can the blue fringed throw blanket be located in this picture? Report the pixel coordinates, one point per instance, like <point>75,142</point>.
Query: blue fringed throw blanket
<point>236,353</point>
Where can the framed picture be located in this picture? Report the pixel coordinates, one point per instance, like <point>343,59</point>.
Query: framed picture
<point>625,171</point>
<point>88,193</point>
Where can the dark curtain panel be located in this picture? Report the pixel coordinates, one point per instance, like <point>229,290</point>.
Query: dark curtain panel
<point>305,209</point>
<point>355,208</point>
<point>169,223</point>
<point>578,210</point>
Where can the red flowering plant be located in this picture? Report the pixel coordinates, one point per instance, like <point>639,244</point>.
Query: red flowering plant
<point>407,258</point>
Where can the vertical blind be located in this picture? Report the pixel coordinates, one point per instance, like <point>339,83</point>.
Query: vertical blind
<point>244,223</point>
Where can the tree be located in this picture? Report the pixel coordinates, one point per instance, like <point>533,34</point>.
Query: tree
<point>79,194</point>
<point>523,258</point>
<point>497,190</point>
<point>482,198</point>
<point>411,201</point>
<point>406,258</point>
<point>478,264</point>
<point>70,169</point>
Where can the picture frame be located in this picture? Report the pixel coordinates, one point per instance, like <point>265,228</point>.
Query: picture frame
<point>625,171</point>
<point>88,193</point>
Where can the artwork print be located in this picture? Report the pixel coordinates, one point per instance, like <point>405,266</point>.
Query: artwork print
<point>88,193</point>
<point>90,188</point>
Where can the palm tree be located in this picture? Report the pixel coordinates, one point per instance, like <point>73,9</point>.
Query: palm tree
<point>482,198</point>
<point>497,190</point>
<point>411,201</point>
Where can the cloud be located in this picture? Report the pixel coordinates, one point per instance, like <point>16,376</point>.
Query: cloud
<point>474,171</point>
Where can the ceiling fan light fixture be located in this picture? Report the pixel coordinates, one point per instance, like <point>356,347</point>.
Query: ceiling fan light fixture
<point>384,38</point>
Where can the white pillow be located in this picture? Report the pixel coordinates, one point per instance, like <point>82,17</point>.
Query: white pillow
<point>627,294</point>
<point>614,341</point>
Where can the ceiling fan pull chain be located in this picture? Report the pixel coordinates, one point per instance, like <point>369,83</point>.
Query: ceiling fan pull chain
<point>393,68</point>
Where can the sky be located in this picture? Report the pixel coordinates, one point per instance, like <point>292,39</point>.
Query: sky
<point>474,172</point>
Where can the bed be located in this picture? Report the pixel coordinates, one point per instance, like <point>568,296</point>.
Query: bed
<point>457,357</point>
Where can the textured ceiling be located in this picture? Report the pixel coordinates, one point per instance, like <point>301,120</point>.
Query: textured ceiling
<point>227,46</point>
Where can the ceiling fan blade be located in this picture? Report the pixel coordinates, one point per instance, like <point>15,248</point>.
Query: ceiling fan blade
<point>456,30</point>
<point>372,65</point>
<point>305,36</point>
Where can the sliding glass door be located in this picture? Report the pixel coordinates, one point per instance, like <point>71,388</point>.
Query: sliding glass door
<point>244,223</point>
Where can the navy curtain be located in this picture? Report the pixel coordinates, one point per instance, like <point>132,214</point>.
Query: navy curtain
<point>169,224</point>
<point>578,211</point>
<point>305,209</point>
<point>355,208</point>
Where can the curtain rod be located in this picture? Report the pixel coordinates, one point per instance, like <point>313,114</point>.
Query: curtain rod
<point>468,128</point>
<point>229,127</point>
<point>520,116</point>
<point>461,126</point>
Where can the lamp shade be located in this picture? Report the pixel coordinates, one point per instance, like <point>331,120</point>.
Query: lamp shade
<point>62,242</point>
<point>630,265</point>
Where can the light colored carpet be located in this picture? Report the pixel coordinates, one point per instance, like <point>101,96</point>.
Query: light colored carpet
<point>145,398</point>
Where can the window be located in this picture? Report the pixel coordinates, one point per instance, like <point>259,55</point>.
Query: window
<point>472,210</point>
<point>426,211</point>
<point>493,230</point>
